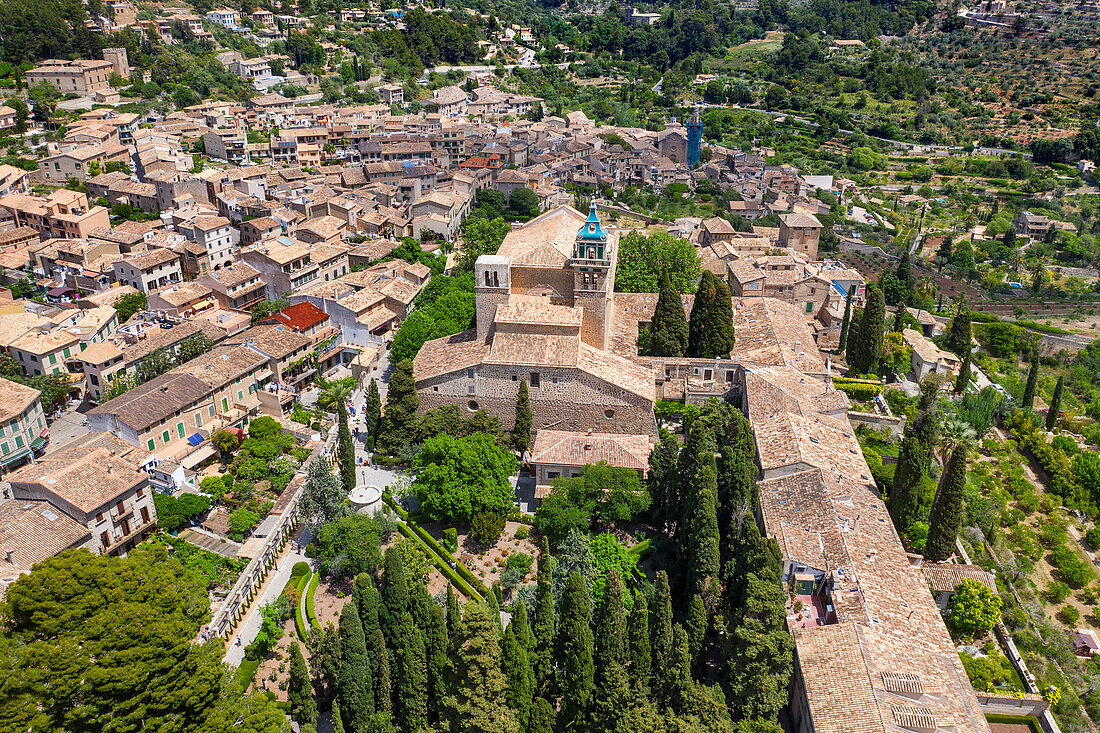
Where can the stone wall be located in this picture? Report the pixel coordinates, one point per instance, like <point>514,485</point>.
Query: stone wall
<point>576,401</point>
<point>896,425</point>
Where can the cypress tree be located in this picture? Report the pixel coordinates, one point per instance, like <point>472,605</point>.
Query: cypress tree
<point>454,617</point>
<point>947,510</point>
<point>1037,281</point>
<point>736,464</point>
<point>373,410</point>
<point>1032,384</point>
<point>661,480</point>
<point>337,719</point>
<point>641,652</point>
<point>761,658</point>
<point>356,690</point>
<point>383,687</point>
<point>345,448</point>
<point>522,627</point>
<point>394,595</point>
<point>1055,405</point>
<point>669,327</point>
<point>846,322</point>
<point>899,320</point>
<point>521,433</point>
<point>705,295</point>
<point>713,332</point>
<point>542,717</point>
<point>517,670</point>
<point>412,677</point>
<point>437,643</point>
<point>367,600</point>
<point>905,275</point>
<point>700,537</point>
<point>925,426</point>
<point>614,701</point>
<point>660,632</point>
<point>904,499</point>
<point>475,702</point>
<point>960,331</point>
<point>610,636</point>
<point>299,692</point>
<point>850,351</point>
<point>400,424</point>
<point>695,625</point>
<point>868,347</point>
<point>575,643</point>
<point>542,656</point>
<point>963,379</point>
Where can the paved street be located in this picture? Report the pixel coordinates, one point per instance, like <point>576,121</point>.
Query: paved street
<point>66,428</point>
<point>247,631</point>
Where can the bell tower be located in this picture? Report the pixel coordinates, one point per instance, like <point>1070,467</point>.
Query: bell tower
<point>492,286</point>
<point>592,266</point>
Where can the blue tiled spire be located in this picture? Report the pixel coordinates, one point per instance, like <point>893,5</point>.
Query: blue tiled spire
<point>592,230</point>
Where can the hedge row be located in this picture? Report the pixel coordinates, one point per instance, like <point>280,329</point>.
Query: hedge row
<point>310,590</point>
<point>860,392</point>
<point>440,563</point>
<point>469,579</point>
<point>299,623</point>
<point>640,549</point>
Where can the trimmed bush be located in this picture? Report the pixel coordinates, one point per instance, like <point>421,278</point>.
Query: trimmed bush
<point>310,591</point>
<point>440,563</point>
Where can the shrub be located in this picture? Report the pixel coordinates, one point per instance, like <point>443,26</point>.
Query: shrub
<point>450,539</point>
<point>300,568</point>
<point>520,561</point>
<point>523,532</point>
<point>1093,538</point>
<point>1074,571</point>
<point>1069,615</point>
<point>486,527</point>
<point>1057,592</point>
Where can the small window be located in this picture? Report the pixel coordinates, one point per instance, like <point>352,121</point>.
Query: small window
<point>179,429</point>
<point>609,413</point>
<point>99,516</point>
<point>165,437</point>
<point>708,374</point>
<point>534,381</point>
<point>469,373</point>
<point>472,406</point>
<point>151,445</point>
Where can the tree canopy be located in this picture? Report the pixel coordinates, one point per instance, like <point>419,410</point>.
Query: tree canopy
<point>643,258</point>
<point>460,477</point>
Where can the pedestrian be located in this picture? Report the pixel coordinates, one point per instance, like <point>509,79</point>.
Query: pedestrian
<point>238,640</point>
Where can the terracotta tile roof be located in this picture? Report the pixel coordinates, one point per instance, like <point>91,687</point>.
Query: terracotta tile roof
<point>15,398</point>
<point>534,349</point>
<point>800,221</point>
<point>546,241</point>
<point>33,531</point>
<point>275,340</point>
<point>88,472</point>
<point>944,576</point>
<point>925,349</point>
<point>449,354</point>
<point>560,448</point>
<point>771,331</point>
<point>300,317</point>
<point>531,310</point>
<point>146,404</point>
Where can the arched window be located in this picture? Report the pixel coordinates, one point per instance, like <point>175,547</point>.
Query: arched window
<point>486,278</point>
<point>496,279</point>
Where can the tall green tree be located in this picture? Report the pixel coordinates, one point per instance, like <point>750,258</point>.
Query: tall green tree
<point>761,655</point>
<point>412,677</point>
<point>710,329</point>
<point>963,379</point>
<point>868,346</point>
<point>334,396</point>
<point>905,276</point>
<point>948,509</point>
<point>846,322</point>
<point>669,327</point>
<point>383,682</point>
<point>960,331</point>
<point>641,652</point>
<point>517,669</point>
<point>399,426</point>
<point>521,432</point>
<point>1055,404</point>
<point>610,623</point>
<point>1032,384</point>
<point>660,634</point>
<point>355,686</point>
<point>661,481</point>
<point>575,647</point>
<point>372,410</point>
<point>324,499</point>
<point>395,593</point>
<point>699,537</point>
<point>542,716</point>
<point>299,691</point>
<point>545,626</point>
<point>695,625</point>
<point>904,499</point>
<point>475,700</point>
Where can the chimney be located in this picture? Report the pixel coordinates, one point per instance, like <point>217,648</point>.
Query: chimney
<point>8,553</point>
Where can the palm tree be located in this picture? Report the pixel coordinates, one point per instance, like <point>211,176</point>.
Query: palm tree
<point>954,434</point>
<point>334,395</point>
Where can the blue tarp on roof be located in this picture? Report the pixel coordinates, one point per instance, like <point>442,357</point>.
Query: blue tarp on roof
<point>196,439</point>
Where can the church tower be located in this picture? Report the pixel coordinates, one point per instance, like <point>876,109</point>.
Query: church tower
<point>492,285</point>
<point>592,266</point>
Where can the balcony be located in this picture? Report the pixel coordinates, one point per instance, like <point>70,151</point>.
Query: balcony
<point>118,538</point>
<point>117,516</point>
